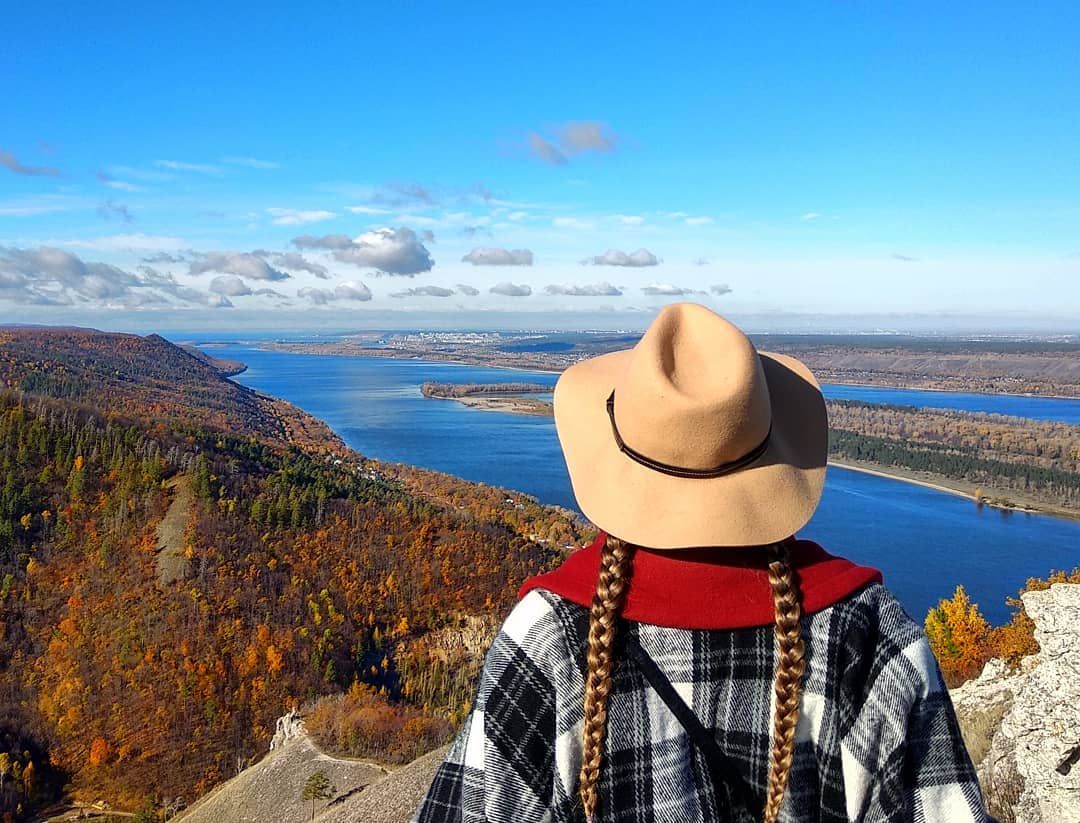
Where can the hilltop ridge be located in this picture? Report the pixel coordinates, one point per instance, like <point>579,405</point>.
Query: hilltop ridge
<point>134,375</point>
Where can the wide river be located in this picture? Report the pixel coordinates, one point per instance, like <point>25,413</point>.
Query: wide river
<point>925,541</point>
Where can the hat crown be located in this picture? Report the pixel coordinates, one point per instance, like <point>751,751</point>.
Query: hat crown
<point>694,392</point>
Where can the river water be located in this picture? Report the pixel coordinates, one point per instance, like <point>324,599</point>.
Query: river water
<point>925,541</point>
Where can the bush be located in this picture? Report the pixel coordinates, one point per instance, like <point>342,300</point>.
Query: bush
<point>363,723</point>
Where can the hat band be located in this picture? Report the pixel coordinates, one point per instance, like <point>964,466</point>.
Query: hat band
<point>680,471</point>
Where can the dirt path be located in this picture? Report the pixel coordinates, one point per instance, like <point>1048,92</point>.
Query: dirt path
<point>171,562</point>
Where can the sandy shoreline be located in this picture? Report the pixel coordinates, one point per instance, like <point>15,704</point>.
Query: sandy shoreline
<point>961,489</point>
<point>881,472</point>
<point>513,405</point>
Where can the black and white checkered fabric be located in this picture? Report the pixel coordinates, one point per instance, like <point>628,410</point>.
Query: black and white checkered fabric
<point>877,738</point>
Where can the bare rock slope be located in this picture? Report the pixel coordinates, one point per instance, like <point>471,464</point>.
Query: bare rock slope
<point>1022,728</point>
<point>270,791</point>
<point>391,799</point>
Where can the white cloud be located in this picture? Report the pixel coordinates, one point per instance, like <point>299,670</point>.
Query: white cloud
<point>614,257</point>
<point>128,242</point>
<point>424,291</point>
<point>517,215</point>
<point>629,219</point>
<point>418,220</point>
<point>241,264</point>
<point>571,223</point>
<point>295,217</point>
<point>320,297</point>
<point>327,241</point>
<point>667,290</point>
<point>230,285</point>
<point>251,162</point>
<point>511,289</point>
<point>499,257</point>
<point>293,262</point>
<point>698,221</point>
<point>352,290</point>
<point>720,289</point>
<point>43,204</point>
<point>119,185</point>
<point>810,215</point>
<point>145,175</point>
<point>367,210</point>
<point>471,291</point>
<point>177,165</point>
<point>51,276</point>
<point>604,289</point>
<point>389,251</point>
<point>163,257</point>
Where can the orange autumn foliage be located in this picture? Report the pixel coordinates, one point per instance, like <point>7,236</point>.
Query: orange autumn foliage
<point>959,637</point>
<point>99,751</point>
<point>1016,639</point>
<point>362,723</point>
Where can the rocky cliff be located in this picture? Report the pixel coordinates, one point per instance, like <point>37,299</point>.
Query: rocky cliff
<point>1022,727</point>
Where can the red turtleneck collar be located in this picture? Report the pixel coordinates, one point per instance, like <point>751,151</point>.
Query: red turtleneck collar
<point>708,588</point>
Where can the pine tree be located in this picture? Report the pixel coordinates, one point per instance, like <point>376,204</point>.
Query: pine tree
<point>318,787</point>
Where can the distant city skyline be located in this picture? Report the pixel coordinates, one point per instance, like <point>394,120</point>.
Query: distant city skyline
<point>823,166</point>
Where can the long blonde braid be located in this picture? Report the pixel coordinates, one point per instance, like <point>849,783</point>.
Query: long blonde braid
<point>790,666</point>
<point>616,564</point>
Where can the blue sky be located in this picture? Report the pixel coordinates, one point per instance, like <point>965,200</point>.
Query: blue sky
<point>213,163</point>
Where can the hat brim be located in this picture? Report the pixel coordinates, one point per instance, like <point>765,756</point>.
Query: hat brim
<point>763,503</point>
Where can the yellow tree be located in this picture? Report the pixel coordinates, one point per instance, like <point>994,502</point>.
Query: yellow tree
<point>959,637</point>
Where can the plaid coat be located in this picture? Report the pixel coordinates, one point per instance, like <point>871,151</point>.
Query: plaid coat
<point>877,738</point>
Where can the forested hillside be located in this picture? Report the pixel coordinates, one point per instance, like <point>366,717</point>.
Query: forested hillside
<point>310,571</point>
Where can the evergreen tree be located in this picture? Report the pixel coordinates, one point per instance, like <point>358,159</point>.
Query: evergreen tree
<point>318,787</point>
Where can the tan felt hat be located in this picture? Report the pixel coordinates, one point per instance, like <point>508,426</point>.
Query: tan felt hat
<point>693,438</point>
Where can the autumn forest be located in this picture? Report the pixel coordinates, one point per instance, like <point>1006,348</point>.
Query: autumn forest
<point>312,577</point>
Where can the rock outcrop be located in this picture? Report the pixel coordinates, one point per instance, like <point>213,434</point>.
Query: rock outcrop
<point>1022,727</point>
<point>289,727</point>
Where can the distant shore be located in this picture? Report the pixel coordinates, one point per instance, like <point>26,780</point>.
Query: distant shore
<point>960,488</point>
<point>830,367</point>
<point>506,397</point>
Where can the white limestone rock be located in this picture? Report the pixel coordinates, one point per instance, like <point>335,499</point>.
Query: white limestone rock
<point>1044,724</point>
<point>1022,728</point>
<point>289,727</point>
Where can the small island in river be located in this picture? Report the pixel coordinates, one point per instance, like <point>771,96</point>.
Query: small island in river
<point>504,397</point>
